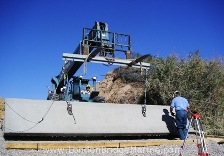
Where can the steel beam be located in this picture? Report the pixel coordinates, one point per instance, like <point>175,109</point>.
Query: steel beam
<point>105,60</point>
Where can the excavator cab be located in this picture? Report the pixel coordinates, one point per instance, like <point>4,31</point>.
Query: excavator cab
<point>79,91</point>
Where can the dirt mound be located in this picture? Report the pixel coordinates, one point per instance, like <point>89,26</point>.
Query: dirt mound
<point>2,110</point>
<point>116,90</point>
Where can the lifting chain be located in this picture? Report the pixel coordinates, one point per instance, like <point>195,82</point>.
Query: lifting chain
<point>144,110</point>
<point>65,73</point>
<point>69,109</point>
<point>144,106</point>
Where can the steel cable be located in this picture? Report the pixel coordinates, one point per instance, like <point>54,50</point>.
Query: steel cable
<point>36,123</point>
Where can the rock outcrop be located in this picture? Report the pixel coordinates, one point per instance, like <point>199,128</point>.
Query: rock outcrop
<point>116,90</point>
<point>2,110</point>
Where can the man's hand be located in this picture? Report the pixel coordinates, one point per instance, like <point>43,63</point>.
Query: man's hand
<point>172,113</point>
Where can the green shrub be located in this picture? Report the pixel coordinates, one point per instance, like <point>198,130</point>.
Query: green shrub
<point>200,81</point>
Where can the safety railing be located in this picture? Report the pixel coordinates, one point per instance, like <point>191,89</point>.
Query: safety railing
<point>105,39</point>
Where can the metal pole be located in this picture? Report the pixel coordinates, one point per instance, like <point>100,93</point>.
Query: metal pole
<point>144,106</point>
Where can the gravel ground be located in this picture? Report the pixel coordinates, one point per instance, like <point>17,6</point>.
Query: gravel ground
<point>214,149</point>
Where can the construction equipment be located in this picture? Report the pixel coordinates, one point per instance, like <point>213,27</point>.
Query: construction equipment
<point>97,41</point>
<point>201,145</point>
<point>67,112</point>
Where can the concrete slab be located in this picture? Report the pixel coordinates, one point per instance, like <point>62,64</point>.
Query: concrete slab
<point>45,117</point>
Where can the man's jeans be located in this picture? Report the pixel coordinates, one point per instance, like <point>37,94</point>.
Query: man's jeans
<point>181,121</point>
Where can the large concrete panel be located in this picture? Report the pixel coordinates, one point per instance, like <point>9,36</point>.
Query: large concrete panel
<point>25,116</point>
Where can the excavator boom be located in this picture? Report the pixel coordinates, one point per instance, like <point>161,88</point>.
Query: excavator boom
<point>95,41</point>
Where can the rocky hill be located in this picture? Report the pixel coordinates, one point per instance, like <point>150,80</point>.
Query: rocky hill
<point>2,109</point>
<point>116,88</point>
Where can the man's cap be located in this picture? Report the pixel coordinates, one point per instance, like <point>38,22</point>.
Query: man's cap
<point>177,92</point>
<point>87,86</point>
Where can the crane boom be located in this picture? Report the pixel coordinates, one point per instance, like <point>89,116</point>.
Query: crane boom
<point>72,67</point>
<point>95,41</point>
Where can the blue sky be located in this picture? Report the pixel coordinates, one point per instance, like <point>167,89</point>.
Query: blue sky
<point>35,33</point>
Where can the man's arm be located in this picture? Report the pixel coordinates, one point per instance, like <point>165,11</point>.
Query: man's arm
<point>171,111</point>
<point>187,106</point>
<point>171,108</point>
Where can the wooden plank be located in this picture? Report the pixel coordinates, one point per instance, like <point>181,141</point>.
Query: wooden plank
<point>216,139</point>
<point>107,144</point>
<point>56,145</point>
<point>20,145</point>
<point>215,136</point>
<point>78,145</point>
<point>83,145</point>
<point>154,143</point>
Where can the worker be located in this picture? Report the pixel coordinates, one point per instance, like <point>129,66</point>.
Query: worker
<point>181,106</point>
<point>87,90</point>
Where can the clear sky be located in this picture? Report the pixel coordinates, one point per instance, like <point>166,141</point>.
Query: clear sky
<point>35,33</point>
